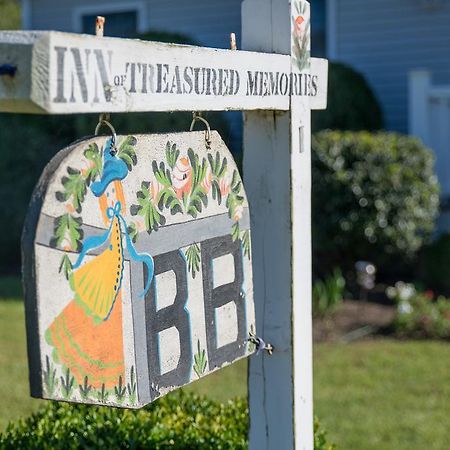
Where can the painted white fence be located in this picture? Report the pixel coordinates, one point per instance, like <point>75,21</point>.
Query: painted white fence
<point>429,119</point>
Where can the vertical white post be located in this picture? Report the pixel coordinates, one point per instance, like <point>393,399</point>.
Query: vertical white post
<point>419,84</point>
<point>277,178</point>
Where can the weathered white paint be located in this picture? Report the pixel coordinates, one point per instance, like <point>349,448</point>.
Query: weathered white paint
<point>278,178</point>
<point>62,73</point>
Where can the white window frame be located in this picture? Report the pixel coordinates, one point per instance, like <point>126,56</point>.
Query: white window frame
<point>107,8</point>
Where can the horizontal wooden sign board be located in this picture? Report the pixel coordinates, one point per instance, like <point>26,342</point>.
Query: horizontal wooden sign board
<point>137,268</point>
<point>70,73</point>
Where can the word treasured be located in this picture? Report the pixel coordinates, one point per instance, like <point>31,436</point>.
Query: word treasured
<point>137,268</point>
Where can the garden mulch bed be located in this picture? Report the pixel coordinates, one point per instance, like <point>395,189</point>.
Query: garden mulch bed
<point>353,319</point>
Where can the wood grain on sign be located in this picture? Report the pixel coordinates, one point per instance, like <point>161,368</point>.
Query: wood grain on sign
<point>137,268</point>
<point>70,73</point>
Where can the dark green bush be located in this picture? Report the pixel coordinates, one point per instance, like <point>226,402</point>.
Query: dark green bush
<point>29,141</point>
<point>375,198</point>
<point>351,103</point>
<point>434,265</point>
<point>178,421</point>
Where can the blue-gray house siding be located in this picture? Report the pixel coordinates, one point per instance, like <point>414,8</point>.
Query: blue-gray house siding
<point>209,22</point>
<point>385,39</point>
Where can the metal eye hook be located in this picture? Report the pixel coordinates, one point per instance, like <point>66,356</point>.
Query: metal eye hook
<point>197,116</point>
<point>104,120</point>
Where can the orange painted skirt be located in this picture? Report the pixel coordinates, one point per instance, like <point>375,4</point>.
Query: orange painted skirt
<point>89,348</point>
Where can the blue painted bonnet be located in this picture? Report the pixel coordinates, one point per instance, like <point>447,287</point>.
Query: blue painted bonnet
<point>113,169</point>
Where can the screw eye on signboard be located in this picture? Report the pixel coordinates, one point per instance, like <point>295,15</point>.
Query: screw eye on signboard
<point>137,267</point>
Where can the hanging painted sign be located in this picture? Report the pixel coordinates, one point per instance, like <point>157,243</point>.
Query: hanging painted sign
<point>137,268</point>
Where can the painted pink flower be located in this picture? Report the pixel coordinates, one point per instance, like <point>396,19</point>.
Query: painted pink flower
<point>206,183</point>
<point>182,177</point>
<point>224,186</point>
<point>299,26</point>
<point>154,188</point>
<point>88,165</point>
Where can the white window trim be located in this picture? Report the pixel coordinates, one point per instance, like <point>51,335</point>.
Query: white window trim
<point>107,8</point>
<point>331,29</point>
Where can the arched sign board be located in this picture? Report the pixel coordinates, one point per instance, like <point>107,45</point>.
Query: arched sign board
<point>137,268</point>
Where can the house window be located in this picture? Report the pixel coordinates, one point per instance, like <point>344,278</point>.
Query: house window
<point>318,28</point>
<point>118,24</point>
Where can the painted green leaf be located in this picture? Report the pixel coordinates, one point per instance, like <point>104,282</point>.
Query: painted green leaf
<point>120,390</point>
<point>127,152</point>
<point>85,388</point>
<point>234,199</point>
<point>74,188</point>
<point>200,361</point>
<point>67,227</point>
<point>172,154</point>
<point>65,266</point>
<point>193,259</point>
<point>218,166</point>
<point>161,174</point>
<point>146,208</point>
<point>235,231</point>
<point>50,380</point>
<point>132,387</point>
<point>93,154</point>
<point>67,384</point>
<point>246,245</point>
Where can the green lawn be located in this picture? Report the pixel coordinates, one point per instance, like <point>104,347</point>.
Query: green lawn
<point>383,395</point>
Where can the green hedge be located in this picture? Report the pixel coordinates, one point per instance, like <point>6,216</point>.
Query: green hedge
<point>352,105</point>
<point>178,421</point>
<point>375,197</point>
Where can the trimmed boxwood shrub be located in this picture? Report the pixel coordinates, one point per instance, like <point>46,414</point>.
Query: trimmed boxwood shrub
<point>352,105</point>
<point>375,197</point>
<point>179,421</point>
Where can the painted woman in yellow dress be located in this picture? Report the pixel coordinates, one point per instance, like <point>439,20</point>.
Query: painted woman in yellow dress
<point>87,336</point>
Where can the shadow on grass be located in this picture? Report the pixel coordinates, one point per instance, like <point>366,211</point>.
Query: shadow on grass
<point>11,288</point>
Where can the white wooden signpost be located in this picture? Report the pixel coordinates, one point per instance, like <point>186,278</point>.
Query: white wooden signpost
<point>276,83</point>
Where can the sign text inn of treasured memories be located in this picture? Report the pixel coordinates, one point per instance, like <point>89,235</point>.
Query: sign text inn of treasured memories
<point>161,78</point>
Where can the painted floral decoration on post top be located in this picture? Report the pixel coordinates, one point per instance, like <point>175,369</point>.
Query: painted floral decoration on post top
<point>301,35</point>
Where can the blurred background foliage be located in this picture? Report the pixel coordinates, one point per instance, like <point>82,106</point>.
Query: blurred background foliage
<point>379,195</point>
<point>352,105</point>
<point>10,15</point>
